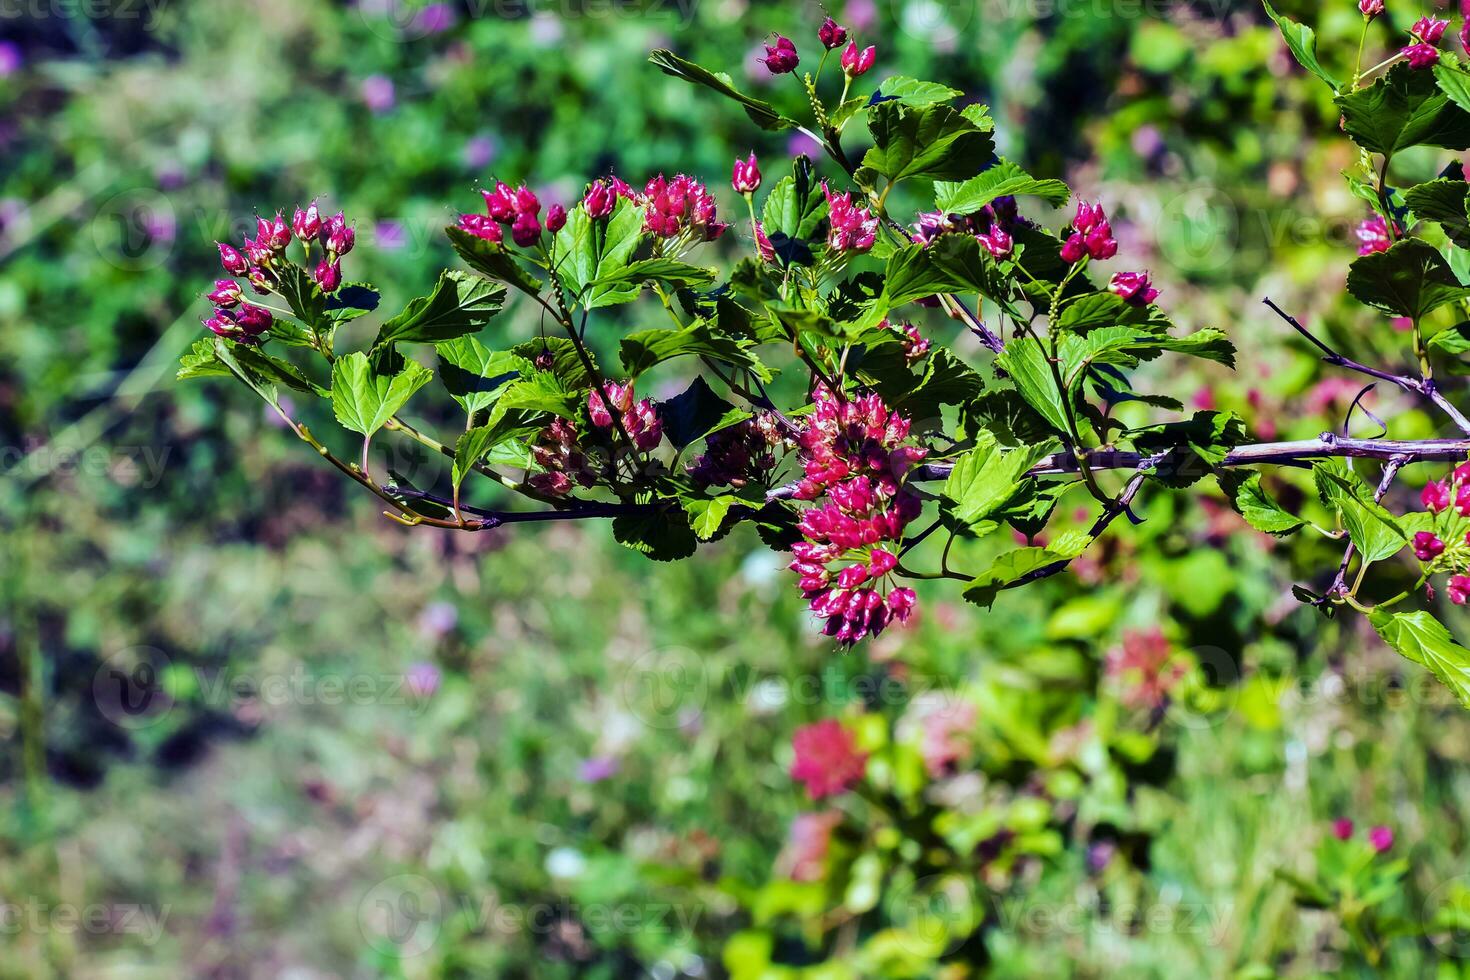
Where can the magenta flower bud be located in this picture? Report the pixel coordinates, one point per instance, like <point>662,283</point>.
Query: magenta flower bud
<point>1381,838</point>
<point>307,224</point>
<point>997,241</point>
<point>1074,248</point>
<point>1370,8</point>
<point>599,200</point>
<point>831,34</point>
<point>328,275</point>
<point>1100,242</point>
<point>254,320</point>
<point>226,293</point>
<point>763,246</point>
<point>526,202</point>
<point>1465,35</point>
<point>256,251</point>
<point>221,323</point>
<point>881,562</point>
<point>340,236</point>
<point>481,226</point>
<point>781,57</point>
<point>1342,828</point>
<point>1459,589</point>
<point>1429,29</point>
<point>278,234</point>
<point>500,203</point>
<point>525,230</point>
<point>855,62</point>
<point>901,602</point>
<point>1421,56</point>
<point>259,281</point>
<point>1435,496</point>
<point>1135,288</point>
<point>746,175</point>
<point>556,218</point>
<point>1373,235</point>
<point>233,262</point>
<point>1088,216</point>
<point>1427,546</point>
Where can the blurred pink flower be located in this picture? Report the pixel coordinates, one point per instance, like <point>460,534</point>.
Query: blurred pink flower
<point>378,93</point>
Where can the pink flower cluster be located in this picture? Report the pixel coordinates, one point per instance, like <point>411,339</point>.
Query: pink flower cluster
<point>680,206</point>
<point>736,455</point>
<point>993,226</point>
<point>1424,51</point>
<point>1145,668</point>
<point>856,452</point>
<point>640,419</point>
<point>1092,235</point>
<point>852,229</point>
<point>1447,547</point>
<point>516,207</point>
<point>561,460</point>
<point>1135,287</point>
<point>260,260</point>
<point>1373,235</point>
<point>827,758</point>
<point>915,344</point>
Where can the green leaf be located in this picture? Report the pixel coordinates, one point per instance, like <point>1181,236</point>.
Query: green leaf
<point>1193,448</point>
<point>693,413</point>
<point>276,370</point>
<point>662,536</point>
<point>350,301</point>
<point>1252,502</point>
<point>1025,361</point>
<point>492,259</point>
<point>566,361</point>
<point>1023,565</point>
<point>587,249</point>
<point>474,374</point>
<point>668,273</point>
<point>1410,279</point>
<point>645,348</point>
<point>1100,309</point>
<point>1423,639</point>
<point>200,361</point>
<point>1454,82</point>
<point>303,296</point>
<point>946,380</point>
<point>1453,340</point>
<point>1002,180</point>
<point>707,514</point>
<point>475,444</point>
<point>796,206</point>
<point>1442,201</point>
<point>1302,41</point>
<point>460,304</point>
<point>987,477</point>
<point>364,401</point>
<point>925,141</point>
<point>1372,529</point>
<point>763,114</point>
<point>1402,109</point>
<point>913,91</point>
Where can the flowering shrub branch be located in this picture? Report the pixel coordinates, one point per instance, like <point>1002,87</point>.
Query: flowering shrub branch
<point>824,409</point>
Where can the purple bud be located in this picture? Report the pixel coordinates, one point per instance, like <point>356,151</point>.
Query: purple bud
<point>599,200</point>
<point>328,275</point>
<point>556,217</point>
<point>781,57</point>
<point>526,229</point>
<point>307,224</point>
<point>831,34</point>
<point>226,293</point>
<point>234,263</point>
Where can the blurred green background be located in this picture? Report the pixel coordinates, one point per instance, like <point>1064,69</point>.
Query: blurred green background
<point>543,754</point>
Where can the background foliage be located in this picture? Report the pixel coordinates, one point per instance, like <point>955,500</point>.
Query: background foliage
<point>176,526</point>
